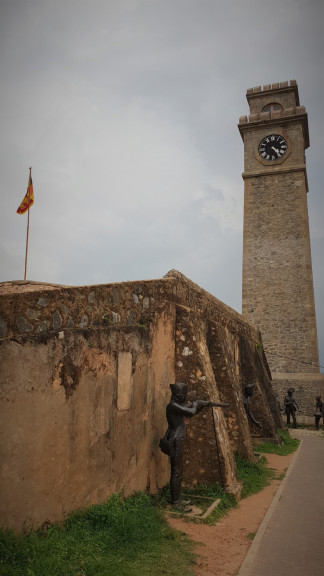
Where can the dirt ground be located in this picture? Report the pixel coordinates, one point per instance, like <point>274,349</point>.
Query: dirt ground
<point>222,548</point>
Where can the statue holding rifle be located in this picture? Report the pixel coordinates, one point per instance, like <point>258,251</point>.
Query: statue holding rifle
<point>173,441</point>
<point>291,407</point>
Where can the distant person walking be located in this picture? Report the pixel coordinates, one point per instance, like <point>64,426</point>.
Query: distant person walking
<point>291,406</point>
<point>319,412</point>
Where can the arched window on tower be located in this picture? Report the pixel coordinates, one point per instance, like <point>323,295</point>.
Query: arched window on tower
<point>272,107</point>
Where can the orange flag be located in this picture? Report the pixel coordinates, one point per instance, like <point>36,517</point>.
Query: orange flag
<point>28,200</point>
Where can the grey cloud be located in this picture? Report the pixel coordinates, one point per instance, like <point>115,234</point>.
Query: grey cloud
<point>127,112</point>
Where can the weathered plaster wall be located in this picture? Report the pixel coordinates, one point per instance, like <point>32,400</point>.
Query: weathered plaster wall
<point>81,418</point>
<point>85,375</point>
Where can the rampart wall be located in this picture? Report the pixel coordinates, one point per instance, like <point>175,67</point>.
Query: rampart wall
<point>85,375</point>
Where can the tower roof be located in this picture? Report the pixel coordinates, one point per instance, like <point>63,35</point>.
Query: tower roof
<point>274,89</point>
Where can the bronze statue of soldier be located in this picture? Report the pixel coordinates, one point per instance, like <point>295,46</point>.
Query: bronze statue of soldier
<point>173,441</point>
<point>247,393</point>
<point>319,412</point>
<point>291,406</point>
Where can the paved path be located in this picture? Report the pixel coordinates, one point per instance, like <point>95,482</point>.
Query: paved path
<point>290,539</point>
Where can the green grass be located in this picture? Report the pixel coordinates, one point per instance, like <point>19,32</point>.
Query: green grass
<point>127,537</point>
<point>288,445</point>
<point>255,475</point>
<point>201,496</point>
<point>123,537</point>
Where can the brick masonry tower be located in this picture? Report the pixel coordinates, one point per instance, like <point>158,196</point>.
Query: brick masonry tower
<point>277,283</point>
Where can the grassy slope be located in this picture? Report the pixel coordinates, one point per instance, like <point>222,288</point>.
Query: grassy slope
<point>123,537</point>
<point>126,537</point>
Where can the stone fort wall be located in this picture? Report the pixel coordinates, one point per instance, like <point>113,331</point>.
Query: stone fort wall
<point>85,375</point>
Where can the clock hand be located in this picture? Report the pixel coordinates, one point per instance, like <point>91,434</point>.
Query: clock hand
<point>276,150</point>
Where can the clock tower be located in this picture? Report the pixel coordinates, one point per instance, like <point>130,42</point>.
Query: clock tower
<point>277,284</point>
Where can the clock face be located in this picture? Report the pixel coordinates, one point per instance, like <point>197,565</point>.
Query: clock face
<point>272,147</point>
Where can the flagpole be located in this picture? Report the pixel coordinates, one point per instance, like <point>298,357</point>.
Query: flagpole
<point>27,230</point>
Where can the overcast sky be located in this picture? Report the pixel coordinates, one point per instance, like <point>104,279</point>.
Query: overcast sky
<point>127,111</point>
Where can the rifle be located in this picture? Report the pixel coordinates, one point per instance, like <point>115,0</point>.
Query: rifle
<point>206,403</point>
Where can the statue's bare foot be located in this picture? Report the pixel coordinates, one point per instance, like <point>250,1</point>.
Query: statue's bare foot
<point>182,506</point>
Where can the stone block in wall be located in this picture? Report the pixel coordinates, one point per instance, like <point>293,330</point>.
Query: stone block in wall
<point>124,381</point>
